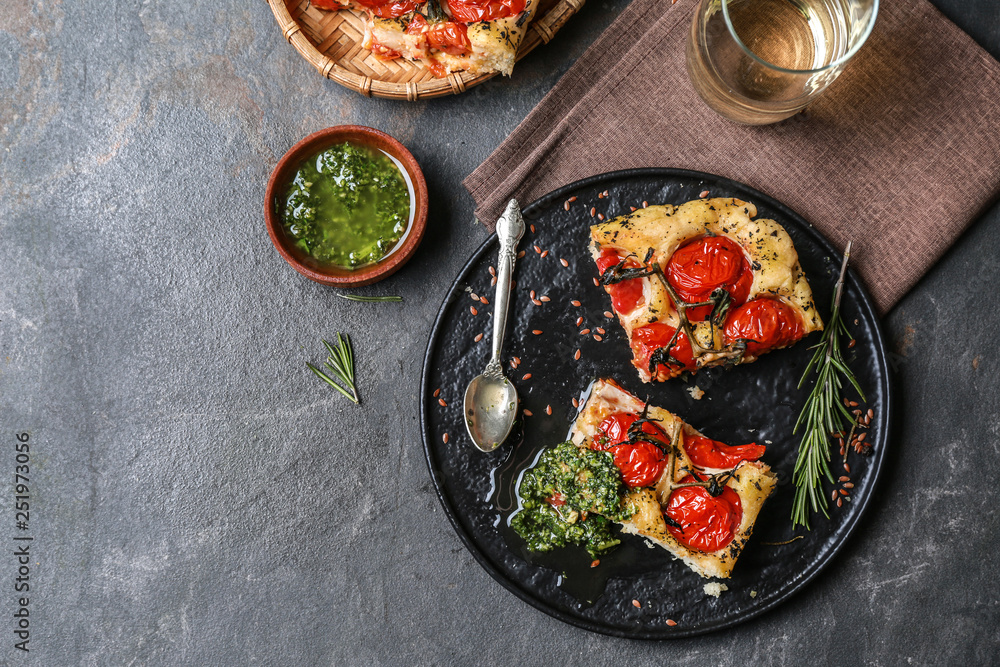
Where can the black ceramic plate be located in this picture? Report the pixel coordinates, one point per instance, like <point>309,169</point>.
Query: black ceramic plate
<point>753,402</point>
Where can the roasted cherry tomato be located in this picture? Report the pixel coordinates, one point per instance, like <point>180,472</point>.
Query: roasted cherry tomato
<point>651,337</point>
<point>641,464</point>
<point>556,500</point>
<point>707,453</point>
<point>449,37</point>
<point>700,267</point>
<point>613,430</point>
<point>706,523</point>
<point>764,323</point>
<point>417,24</point>
<point>383,52</point>
<point>470,11</point>
<point>389,9</point>
<point>625,296</point>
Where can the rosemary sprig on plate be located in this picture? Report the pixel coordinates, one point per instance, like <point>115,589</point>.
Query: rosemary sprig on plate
<point>341,364</point>
<point>823,413</point>
<point>358,297</point>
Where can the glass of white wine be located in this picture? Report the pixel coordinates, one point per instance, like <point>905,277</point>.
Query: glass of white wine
<point>761,61</point>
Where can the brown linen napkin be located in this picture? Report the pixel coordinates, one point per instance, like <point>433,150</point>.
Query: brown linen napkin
<point>900,154</point>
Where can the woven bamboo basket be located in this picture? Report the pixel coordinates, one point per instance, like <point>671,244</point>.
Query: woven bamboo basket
<point>331,42</point>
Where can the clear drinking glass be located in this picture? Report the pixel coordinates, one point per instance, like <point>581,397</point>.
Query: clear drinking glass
<point>761,61</point>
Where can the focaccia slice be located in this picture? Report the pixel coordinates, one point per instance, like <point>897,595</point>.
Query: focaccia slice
<point>636,256</point>
<point>751,481</point>
<point>444,45</point>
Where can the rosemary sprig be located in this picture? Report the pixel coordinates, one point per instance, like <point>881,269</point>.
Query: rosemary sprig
<point>341,363</point>
<point>358,297</point>
<point>823,414</point>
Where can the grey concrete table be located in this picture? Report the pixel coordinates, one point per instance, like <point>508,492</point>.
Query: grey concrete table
<point>196,497</point>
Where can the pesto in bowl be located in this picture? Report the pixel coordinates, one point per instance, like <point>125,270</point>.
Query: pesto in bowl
<point>347,206</point>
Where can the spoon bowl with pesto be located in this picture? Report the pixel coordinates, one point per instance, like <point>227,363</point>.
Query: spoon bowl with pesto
<point>346,206</point>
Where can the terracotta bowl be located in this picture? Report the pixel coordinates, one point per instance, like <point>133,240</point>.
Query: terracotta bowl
<point>315,143</point>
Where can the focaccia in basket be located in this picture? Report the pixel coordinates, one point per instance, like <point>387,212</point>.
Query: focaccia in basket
<point>693,496</point>
<point>475,36</point>
<point>702,284</point>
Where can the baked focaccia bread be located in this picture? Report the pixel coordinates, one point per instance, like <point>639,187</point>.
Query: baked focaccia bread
<point>475,36</point>
<point>702,284</point>
<point>693,496</point>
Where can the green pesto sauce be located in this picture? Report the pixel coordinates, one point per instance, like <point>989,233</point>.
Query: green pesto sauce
<point>589,482</point>
<point>347,206</point>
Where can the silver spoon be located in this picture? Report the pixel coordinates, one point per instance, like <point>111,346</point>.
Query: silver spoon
<point>491,400</point>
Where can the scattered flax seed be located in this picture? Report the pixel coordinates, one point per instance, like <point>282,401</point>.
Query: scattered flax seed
<point>849,485</point>
<point>575,303</point>
<point>598,338</point>
<point>517,360</point>
<point>545,253</point>
<point>844,493</point>
<point>600,330</point>
<point>544,298</point>
<point>595,563</point>
<point>444,438</point>
<point>563,262</point>
<point>833,495</point>
<point>528,413</point>
<point>537,332</point>
<point>576,403</point>
<point>577,355</point>
<point>635,603</point>
<point>852,404</point>
<point>592,211</point>
<point>600,216</point>
<point>608,314</point>
<point>537,250</point>
<point>532,229</point>
<point>585,332</point>
<point>852,343</point>
<point>493,281</point>
<point>526,376</point>
<point>520,255</point>
<point>605,193</point>
<point>483,300</point>
<point>703,194</point>
<point>870,414</point>
<point>645,204</point>
<point>442,403</point>
<point>493,272</point>
<point>671,622</point>
<point>847,469</point>
<point>579,321</point>
<point>844,478</point>
<point>596,284</point>
<point>840,503</point>
<point>532,294</point>
<point>566,205</point>
<point>633,208</point>
<point>478,337</point>
<point>475,297</point>
<point>536,302</point>
<point>472,309</point>
<point>437,392</point>
<point>548,409</point>
<point>600,195</point>
<point>572,199</point>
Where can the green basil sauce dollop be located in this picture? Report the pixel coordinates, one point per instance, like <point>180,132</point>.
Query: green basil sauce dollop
<point>347,206</point>
<point>588,481</point>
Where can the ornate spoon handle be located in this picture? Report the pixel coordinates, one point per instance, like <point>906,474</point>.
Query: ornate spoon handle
<point>510,229</point>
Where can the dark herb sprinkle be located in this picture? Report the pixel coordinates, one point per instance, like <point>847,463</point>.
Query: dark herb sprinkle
<point>590,490</point>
